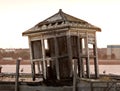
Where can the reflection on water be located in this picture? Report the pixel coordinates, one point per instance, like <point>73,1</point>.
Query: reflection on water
<point>103,69</point>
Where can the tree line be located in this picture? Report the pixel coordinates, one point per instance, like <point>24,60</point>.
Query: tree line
<point>23,53</point>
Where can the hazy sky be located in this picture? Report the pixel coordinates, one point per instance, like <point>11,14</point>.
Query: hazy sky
<point>16,16</point>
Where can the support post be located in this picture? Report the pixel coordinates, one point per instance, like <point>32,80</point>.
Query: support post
<point>96,59</point>
<point>31,57</point>
<point>56,61</point>
<point>79,57</point>
<point>43,57</point>
<point>87,58</point>
<point>17,74</point>
<point>33,70</point>
<point>69,48</point>
<point>82,64</point>
<point>75,76</point>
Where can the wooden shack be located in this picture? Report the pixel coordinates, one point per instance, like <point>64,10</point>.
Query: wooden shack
<point>57,42</point>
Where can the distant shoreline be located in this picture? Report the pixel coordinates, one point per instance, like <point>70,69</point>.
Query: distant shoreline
<point>108,62</point>
<point>23,62</point>
<point>27,62</point>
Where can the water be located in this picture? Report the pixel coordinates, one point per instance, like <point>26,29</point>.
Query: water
<point>12,68</point>
<point>109,69</point>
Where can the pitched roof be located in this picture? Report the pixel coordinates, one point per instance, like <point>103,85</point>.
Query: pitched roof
<point>59,19</point>
<point>61,16</point>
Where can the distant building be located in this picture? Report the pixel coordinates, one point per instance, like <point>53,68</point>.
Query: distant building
<point>113,51</point>
<point>102,53</point>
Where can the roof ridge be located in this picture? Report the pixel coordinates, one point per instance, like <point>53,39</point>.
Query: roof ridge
<point>61,13</point>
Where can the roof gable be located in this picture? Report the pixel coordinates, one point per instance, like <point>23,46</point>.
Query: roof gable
<point>61,19</point>
<point>61,16</point>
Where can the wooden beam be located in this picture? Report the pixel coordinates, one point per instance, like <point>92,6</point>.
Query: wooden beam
<point>96,59</point>
<point>17,74</point>
<point>75,75</point>
<point>69,48</point>
<point>56,61</point>
<point>79,56</point>
<point>31,60</point>
<point>87,58</point>
<point>81,53</point>
<point>33,70</point>
<point>43,56</point>
<point>81,59</point>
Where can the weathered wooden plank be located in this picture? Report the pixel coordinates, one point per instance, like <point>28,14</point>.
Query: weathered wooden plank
<point>56,60</point>
<point>79,57</point>
<point>17,74</point>
<point>69,48</point>
<point>43,56</point>
<point>87,58</point>
<point>96,59</point>
<point>31,59</point>
<point>75,75</point>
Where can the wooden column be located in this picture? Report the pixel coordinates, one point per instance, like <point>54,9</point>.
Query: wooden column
<point>82,64</point>
<point>43,57</point>
<point>96,59</point>
<point>87,56</point>
<point>17,74</point>
<point>56,61</point>
<point>69,49</point>
<point>79,57</point>
<point>31,57</point>
<point>75,75</point>
<point>42,68</point>
<point>33,70</point>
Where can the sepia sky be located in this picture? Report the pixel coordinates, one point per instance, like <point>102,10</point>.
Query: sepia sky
<point>16,16</point>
